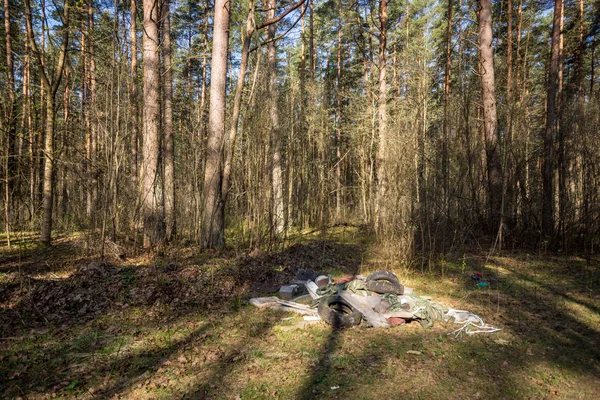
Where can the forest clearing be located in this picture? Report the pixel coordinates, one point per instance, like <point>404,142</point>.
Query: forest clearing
<point>166,163</point>
<point>179,326</point>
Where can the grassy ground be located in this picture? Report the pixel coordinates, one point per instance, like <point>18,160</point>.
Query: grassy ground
<point>194,336</point>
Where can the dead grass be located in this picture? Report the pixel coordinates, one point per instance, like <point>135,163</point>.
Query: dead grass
<point>211,344</point>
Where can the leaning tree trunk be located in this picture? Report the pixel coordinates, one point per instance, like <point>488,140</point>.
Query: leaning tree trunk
<point>149,194</point>
<point>212,233</point>
<point>488,96</point>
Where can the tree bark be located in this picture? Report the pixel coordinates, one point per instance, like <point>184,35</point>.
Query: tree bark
<point>278,214</point>
<point>311,45</point>
<point>550,131</point>
<point>507,207</point>
<point>382,150</point>
<point>562,150</point>
<point>171,227</point>
<point>212,235</point>
<point>237,103</point>
<point>85,89</point>
<point>11,122</point>
<point>134,113</point>
<point>488,96</point>
<point>446,138</point>
<point>26,121</point>
<point>149,195</point>
<point>51,84</point>
<point>580,52</point>
<point>339,194</point>
<point>90,111</point>
<point>93,108</point>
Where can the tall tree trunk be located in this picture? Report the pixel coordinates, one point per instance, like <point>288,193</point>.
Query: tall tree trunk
<point>562,150</point>
<point>169,158</point>
<point>592,68</point>
<point>66,146</point>
<point>92,110</point>
<point>338,116</point>
<point>302,74</point>
<point>89,110</point>
<point>51,84</point>
<point>276,170</point>
<point>382,150</point>
<point>212,234</point>
<point>580,52</point>
<point>488,96</point>
<point>204,73</point>
<point>149,195</point>
<point>42,124</point>
<point>507,207</point>
<point>446,138</point>
<point>86,116</point>
<point>11,121</point>
<point>311,44</point>
<point>550,131</point>
<point>237,103</point>
<point>48,188</point>
<point>134,113</point>
<point>26,121</point>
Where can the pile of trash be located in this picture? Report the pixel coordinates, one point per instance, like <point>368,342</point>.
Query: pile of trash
<point>378,300</point>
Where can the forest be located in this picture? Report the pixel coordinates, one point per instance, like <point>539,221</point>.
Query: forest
<point>162,161</point>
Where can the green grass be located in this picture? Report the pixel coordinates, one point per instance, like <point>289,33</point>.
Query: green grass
<point>548,309</point>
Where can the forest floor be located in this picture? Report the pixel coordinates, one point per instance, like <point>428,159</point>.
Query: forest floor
<point>178,325</point>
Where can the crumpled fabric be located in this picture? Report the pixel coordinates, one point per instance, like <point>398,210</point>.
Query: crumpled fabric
<point>330,289</point>
<point>424,310</point>
<point>395,304</point>
<point>358,287</point>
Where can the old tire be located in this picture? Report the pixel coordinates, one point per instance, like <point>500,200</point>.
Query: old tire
<point>384,276</point>
<point>384,282</point>
<point>383,287</point>
<point>338,313</point>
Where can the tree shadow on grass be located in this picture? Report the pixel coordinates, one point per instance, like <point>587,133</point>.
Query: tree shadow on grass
<point>150,354</point>
<point>211,378</point>
<point>319,375</point>
<point>111,353</point>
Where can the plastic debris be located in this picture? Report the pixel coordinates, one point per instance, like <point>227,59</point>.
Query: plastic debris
<point>312,318</point>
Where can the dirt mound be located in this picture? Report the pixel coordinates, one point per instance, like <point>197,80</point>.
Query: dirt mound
<point>98,286</point>
<point>174,285</point>
<point>276,269</point>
